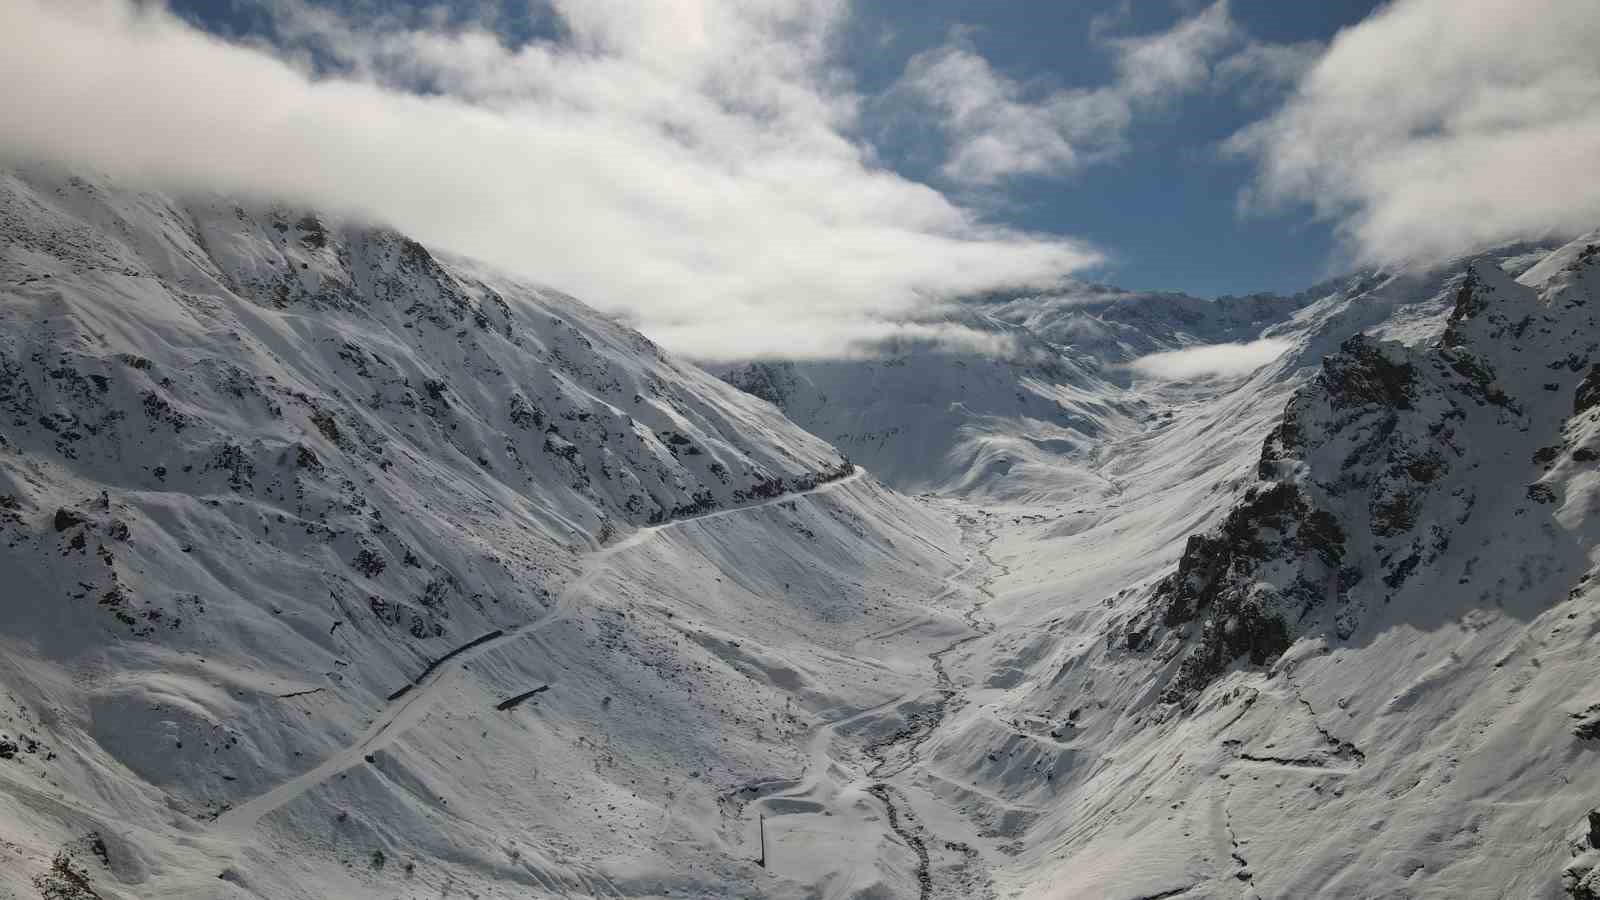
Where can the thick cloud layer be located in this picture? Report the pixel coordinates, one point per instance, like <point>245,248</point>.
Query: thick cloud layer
<point>688,166</point>
<point>1211,360</point>
<point>1438,126</point>
<point>697,167</point>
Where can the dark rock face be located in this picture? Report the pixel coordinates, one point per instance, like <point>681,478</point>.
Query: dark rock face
<point>1362,373</point>
<point>1468,304</point>
<point>1372,469</point>
<point>1588,727</point>
<point>1588,393</point>
<point>1581,878</point>
<point>1240,616</point>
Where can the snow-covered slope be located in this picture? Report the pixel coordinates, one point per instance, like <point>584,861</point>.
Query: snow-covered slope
<point>1026,414</point>
<point>1030,421</point>
<point>926,416</point>
<point>1118,326</point>
<point>1368,673</point>
<point>288,506</point>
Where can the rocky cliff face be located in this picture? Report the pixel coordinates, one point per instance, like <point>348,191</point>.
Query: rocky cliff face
<point>1389,471</point>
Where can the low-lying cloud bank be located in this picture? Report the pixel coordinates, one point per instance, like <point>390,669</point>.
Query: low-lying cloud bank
<point>687,167</point>
<point>1211,360</point>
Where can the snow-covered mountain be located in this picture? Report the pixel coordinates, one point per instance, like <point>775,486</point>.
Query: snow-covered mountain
<point>927,416</point>
<point>1024,422</point>
<point>1030,422</point>
<point>338,566</point>
<point>263,473</point>
<point>1354,659</point>
<point>1117,326</point>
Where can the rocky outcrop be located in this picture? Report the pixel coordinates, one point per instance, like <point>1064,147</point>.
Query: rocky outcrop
<point>1581,877</point>
<point>1587,395</point>
<point>1376,464</point>
<point>1217,584</point>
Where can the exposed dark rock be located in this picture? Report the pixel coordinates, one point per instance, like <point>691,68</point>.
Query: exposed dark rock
<point>1468,303</point>
<point>1588,393</point>
<point>1239,616</point>
<point>1588,727</point>
<point>1361,372</point>
<point>369,562</point>
<point>232,458</point>
<point>312,232</point>
<point>1377,430</point>
<point>326,424</point>
<point>525,414</point>
<point>306,458</point>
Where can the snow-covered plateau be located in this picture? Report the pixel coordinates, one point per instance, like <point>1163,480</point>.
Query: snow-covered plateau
<point>335,566</point>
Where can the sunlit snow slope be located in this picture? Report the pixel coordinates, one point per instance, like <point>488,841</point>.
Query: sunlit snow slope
<point>1335,643</point>
<point>263,474</point>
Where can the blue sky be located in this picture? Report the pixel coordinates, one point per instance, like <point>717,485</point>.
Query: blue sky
<point>1164,211</point>
<point>804,178</point>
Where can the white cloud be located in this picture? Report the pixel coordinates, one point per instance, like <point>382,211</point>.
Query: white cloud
<point>1260,71</point>
<point>1160,66</point>
<point>856,339</point>
<point>1211,360</point>
<point>1441,126</point>
<point>1000,128</point>
<point>687,165</point>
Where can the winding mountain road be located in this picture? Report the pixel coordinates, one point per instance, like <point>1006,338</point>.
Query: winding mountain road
<point>409,708</point>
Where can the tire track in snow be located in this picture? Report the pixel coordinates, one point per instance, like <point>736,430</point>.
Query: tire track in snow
<point>410,706</point>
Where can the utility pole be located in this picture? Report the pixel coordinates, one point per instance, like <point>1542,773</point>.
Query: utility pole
<point>762,862</point>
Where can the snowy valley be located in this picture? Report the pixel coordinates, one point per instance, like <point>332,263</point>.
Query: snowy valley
<point>335,566</point>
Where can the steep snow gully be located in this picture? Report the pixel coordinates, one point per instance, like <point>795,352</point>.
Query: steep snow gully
<point>410,704</point>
